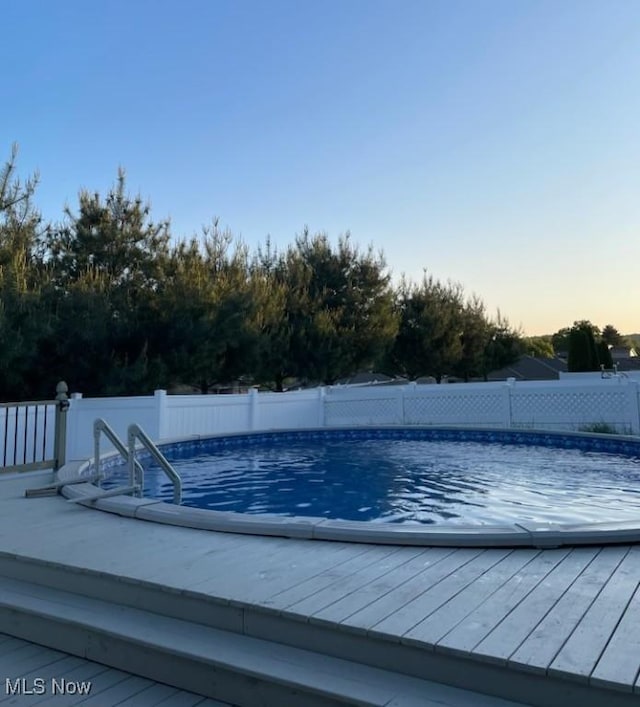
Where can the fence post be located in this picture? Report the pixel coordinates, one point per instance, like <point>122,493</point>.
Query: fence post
<point>322,391</point>
<point>253,409</point>
<point>60,431</point>
<point>161,407</point>
<point>633,388</point>
<point>506,403</point>
<point>401,413</point>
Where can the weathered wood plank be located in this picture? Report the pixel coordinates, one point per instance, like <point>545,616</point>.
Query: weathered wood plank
<point>58,668</point>
<point>153,694</point>
<point>619,665</point>
<point>473,628</point>
<point>324,604</point>
<point>545,641</point>
<point>279,572</point>
<point>321,575</point>
<point>11,644</point>
<point>100,683</point>
<point>249,587</point>
<point>108,686</point>
<point>20,663</point>
<point>580,654</point>
<point>353,602</point>
<point>458,607</point>
<point>402,621</point>
<point>437,566</point>
<point>22,655</point>
<point>120,691</point>
<point>509,634</point>
<point>231,564</point>
<point>583,629</point>
<point>188,699</point>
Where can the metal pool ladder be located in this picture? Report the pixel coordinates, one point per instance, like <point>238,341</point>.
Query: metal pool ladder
<point>136,471</point>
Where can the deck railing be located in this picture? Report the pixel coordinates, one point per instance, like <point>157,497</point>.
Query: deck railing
<point>33,433</point>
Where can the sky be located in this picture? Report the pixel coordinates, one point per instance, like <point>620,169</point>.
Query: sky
<point>488,142</point>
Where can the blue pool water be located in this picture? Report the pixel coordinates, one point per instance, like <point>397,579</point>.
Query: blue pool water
<point>477,479</point>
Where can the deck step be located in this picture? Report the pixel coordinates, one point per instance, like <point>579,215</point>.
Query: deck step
<point>219,664</point>
<point>326,640</point>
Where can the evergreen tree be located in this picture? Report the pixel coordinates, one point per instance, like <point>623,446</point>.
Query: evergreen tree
<point>429,340</point>
<point>106,266</point>
<point>505,345</point>
<point>340,313</point>
<point>604,355</point>
<point>475,335</point>
<point>22,316</point>
<point>205,312</point>
<point>583,355</point>
<point>611,336</point>
<point>539,346</point>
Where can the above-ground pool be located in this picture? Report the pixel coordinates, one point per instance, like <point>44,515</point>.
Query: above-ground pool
<point>463,481</point>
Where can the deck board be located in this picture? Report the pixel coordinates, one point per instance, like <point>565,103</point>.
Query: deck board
<point>264,570</point>
<point>565,611</point>
<point>480,622</point>
<point>359,576</point>
<point>582,650</point>
<point>317,576</point>
<point>542,645</point>
<point>439,593</point>
<point>620,662</point>
<point>349,604</point>
<point>506,638</point>
<point>392,604</point>
<point>456,609</point>
<point>108,685</point>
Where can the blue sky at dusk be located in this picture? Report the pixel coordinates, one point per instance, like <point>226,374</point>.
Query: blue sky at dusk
<point>491,142</point>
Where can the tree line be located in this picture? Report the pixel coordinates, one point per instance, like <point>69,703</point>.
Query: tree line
<point>585,346</point>
<point>109,301</point>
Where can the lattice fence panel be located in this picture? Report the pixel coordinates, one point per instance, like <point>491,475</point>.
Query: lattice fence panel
<point>481,409</point>
<point>569,409</point>
<point>381,411</point>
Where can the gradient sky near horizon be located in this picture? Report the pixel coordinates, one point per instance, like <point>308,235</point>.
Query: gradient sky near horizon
<point>495,143</point>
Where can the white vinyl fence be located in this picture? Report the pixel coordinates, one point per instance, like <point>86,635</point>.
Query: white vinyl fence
<point>606,404</point>
<point>600,404</point>
<point>165,417</point>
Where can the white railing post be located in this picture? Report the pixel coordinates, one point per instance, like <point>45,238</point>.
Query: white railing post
<point>253,409</point>
<point>322,394</point>
<point>160,397</point>
<point>506,403</point>
<point>633,397</point>
<point>401,419</point>
<point>73,421</point>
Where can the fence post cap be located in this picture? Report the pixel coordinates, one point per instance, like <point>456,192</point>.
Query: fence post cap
<point>61,391</point>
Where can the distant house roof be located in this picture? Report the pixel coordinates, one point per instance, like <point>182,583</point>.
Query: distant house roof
<point>628,364</point>
<point>365,377</point>
<point>531,369</point>
<point>621,352</point>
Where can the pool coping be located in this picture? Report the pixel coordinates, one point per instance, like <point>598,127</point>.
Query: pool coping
<point>526,534</point>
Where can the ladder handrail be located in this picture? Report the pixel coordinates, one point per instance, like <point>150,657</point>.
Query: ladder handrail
<point>136,432</point>
<point>101,426</point>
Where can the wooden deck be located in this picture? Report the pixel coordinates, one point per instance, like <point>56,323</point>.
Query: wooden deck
<point>570,615</point>
<point>48,674</point>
